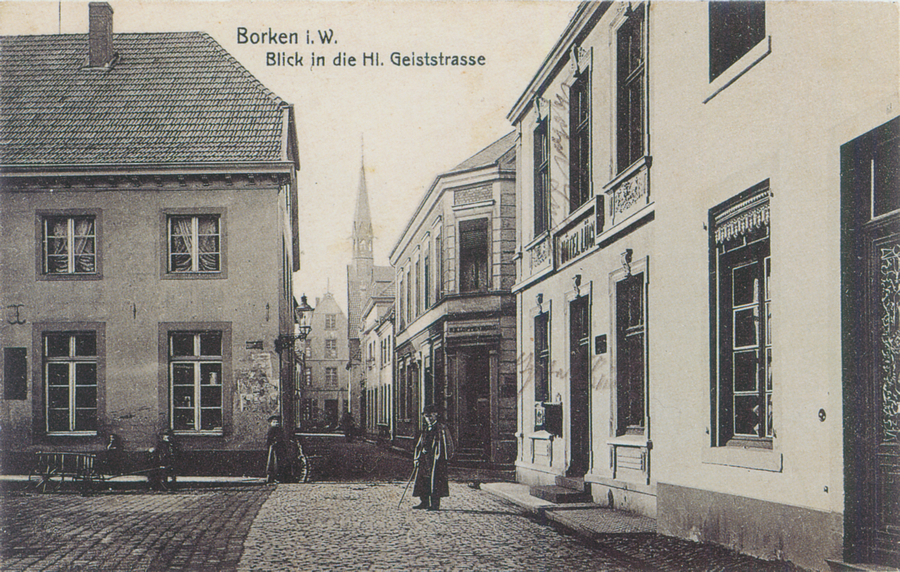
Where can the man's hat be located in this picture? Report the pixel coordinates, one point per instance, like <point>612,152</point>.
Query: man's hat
<point>275,418</point>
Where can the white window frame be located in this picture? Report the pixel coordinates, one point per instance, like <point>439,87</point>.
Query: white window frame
<point>70,244</point>
<point>72,361</point>
<point>195,243</point>
<point>197,361</point>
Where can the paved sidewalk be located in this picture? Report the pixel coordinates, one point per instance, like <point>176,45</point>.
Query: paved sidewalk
<point>630,537</point>
<point>586,518</point>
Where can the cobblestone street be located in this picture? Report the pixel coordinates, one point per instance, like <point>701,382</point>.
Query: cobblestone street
<point>128,531</point>
<point>319,526</point>
<point>356,526</point>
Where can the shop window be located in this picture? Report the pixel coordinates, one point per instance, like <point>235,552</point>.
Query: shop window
<point>630,90</point>
<point>195,373</point>
<point>473,255</point>
<point>580,141</point>
<point>734,28</point>
<point>743,317</point>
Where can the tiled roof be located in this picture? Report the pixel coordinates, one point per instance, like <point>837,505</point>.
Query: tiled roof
<point>169,98</point>
<point>491,154</point>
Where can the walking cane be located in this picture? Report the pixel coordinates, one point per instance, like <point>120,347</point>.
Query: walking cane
<point>409,482</point>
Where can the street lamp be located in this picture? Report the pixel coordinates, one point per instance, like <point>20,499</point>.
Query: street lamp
<point>286,342</point>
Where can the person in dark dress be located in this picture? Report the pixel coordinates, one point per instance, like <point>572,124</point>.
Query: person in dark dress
<point>278,465</point>
<point>433,450</point>
<point>348,426</point>
<point>164,458</point>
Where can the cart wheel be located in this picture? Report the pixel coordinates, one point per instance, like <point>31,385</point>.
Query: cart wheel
<point>301,469</point>
<point>44,480</point>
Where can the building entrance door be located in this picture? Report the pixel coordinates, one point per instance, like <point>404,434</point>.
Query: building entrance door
<point>331,412</point>
<point>474,381</point>
<point>579,380</point>
<point>870,181</point>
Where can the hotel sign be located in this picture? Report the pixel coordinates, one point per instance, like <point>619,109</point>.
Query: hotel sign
<point>576,240</point>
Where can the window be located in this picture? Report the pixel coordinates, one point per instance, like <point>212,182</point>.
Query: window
<point>402,409</point>
<point>439,278</point>
<point>541,178</point>
<point>194,244</point>
<point>409,300</point>
<point>630,355</point>
<point>69,245</point>
<point>473,255</point>
<point>630,90</point>
<point>744,320</point>
<point>418,287</point>
<point>330,321</point>
<point>331,377</point>
<point>70,375</point>
<point>400,301</point>
<point>426,269</point>
<point>580,141</point>
<point>331,349</point>
<point>195,373</point>
<point>542,357</point>
<point>734,28</point>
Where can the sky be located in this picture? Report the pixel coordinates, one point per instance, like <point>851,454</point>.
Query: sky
<point>410,122</point>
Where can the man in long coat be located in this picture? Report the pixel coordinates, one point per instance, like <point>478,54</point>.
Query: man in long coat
<point>433,450</point>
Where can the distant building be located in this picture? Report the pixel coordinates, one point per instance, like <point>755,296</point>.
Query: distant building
<point>362,276</point>
<point>454,312</point>
<point>147,182</point>
<point>377,343</point>
<point>707,276</point>
<point>325,382</point>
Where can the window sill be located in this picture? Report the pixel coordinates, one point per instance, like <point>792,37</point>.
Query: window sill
<point>740,67</point>
<point>744,457</point>
<point>536,240</point>
<point>219,433</point>
<point>194,276</point>
<point>469,206</point>
<point>630,441</point>
<point>68,277</point>
<point>628,172</point>
<point>71,434</point>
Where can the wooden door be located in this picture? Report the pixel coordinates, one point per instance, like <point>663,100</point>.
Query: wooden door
<point>870,190</point>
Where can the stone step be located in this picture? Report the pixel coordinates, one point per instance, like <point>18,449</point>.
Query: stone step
<point>559,495</point>
<point>574,483</point>
<point>839,566</point>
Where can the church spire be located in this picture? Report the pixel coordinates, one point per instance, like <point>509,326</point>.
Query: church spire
<point>362,218</point>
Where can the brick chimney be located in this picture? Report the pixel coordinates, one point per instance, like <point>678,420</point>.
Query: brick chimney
<point>100,35</point>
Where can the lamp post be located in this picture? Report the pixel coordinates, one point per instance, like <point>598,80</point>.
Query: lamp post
<point>285,342</point>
